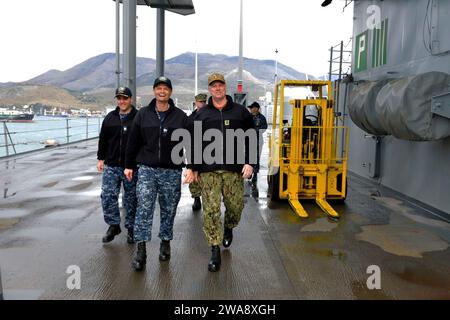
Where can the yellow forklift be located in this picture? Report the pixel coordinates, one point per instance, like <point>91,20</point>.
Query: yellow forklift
<point>307,151</point>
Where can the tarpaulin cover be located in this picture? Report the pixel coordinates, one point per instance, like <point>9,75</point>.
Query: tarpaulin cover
<point>401,107</point>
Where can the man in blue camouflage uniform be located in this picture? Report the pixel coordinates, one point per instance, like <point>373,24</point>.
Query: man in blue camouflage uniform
<point>260,126</point>
<point>150,148</point>
<point>111,161</point>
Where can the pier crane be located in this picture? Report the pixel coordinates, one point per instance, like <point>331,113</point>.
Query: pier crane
<point>307,151</point>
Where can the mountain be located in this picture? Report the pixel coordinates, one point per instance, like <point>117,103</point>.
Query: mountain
<point>46,95</point>
<point>93,80</point>
<point>96,72</point>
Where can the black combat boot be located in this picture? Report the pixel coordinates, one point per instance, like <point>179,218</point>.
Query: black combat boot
<point>140,258</point>
<point>130,236</point>
<point>227,237</point>
<point>214,263</point>
<point>164,250</point>
<point>197,204</point>
<point>111,233</point>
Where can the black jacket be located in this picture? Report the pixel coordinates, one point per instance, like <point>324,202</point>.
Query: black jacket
<point>150,141</point>
<point>192,115</point>
<point>190,120</point>
<point>260,122</point>
<point>260,125</point>
<point>233,116</point>
<point>112,142</point>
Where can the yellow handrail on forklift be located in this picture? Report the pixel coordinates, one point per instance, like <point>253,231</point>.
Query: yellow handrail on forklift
<point>308,152</point>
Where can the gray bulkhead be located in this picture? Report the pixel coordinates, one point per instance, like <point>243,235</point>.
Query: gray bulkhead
<point>412,40</point>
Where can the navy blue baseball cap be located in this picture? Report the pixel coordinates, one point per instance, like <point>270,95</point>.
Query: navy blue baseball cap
<point>164,80</point>
<point>253,105</point>
<point>123,92</point>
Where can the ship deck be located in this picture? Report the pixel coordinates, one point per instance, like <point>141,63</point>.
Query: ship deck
<point>51,218</point>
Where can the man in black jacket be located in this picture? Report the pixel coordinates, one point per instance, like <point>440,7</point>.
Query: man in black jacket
<point>222,173</point>
<point>260,125</point>
<point>112,144</point>
<point>150,149</point>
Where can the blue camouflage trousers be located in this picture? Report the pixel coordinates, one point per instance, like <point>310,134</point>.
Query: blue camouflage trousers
<point>113,178</point>
<point>153,182</point>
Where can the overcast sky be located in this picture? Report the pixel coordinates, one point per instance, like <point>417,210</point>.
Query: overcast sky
<point>39,35</point>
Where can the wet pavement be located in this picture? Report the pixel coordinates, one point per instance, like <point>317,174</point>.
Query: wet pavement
<point>51,218</point>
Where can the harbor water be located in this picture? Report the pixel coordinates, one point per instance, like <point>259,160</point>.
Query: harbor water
<point>19,137</point>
